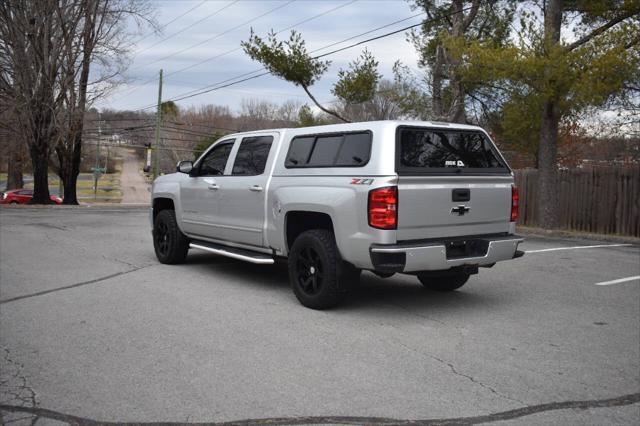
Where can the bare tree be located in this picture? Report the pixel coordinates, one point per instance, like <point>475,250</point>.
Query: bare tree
<point>47,48</point>
<point>12,148</point>
<point>30,63</point>
<point>100,38</point>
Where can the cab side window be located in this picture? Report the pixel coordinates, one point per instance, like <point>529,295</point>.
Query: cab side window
<point>252,155</point>
<point>351,149</point>
<point>214,162</point>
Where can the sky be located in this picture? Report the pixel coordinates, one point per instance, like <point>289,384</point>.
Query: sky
<point>214,27</point>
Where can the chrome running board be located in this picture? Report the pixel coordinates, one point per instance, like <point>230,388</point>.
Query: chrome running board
<point>235,253</point>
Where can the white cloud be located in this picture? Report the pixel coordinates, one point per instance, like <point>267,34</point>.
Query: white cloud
<point>345,22</point>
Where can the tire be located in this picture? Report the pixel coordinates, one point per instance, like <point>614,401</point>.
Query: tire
<point>170,244</point>
<point>315,268</point>
<point>443,282</point>
<point>349,276</point>
<point>13,202</point>
<point>384,274</point>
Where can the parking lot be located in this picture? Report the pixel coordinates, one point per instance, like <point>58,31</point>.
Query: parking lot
<point>94,329</point>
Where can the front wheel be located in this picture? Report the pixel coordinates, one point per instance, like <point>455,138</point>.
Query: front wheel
<point>314,269</point>
<point>170,244</point>
<point>443,282</point>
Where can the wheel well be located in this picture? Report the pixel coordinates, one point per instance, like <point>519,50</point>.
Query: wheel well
<point>160,204</point>
<point>300,221</point>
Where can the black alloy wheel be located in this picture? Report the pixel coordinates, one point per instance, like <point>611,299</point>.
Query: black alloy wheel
<point>314,269</point>
<point>309,271</point>
<point>170,244</point>
<point>162,239</point>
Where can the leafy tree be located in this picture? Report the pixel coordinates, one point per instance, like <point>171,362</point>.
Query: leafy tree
<point>169,109</point>
<point>549,79</point>
<point>358,83</point>
<point>411,93</point>
<point>455,22</point>
<point>290,61</point>
<point>306,117</point>
<point>205,143</point>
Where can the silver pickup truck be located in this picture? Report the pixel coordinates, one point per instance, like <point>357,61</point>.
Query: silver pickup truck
<point>435,200</point>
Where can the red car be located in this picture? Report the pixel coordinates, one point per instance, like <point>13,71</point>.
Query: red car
<point>22,196</point>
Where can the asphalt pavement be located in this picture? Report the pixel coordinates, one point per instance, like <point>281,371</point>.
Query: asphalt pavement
<point>93,329</point>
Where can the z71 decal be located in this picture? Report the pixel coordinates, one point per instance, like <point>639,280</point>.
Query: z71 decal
<point>356,181</point>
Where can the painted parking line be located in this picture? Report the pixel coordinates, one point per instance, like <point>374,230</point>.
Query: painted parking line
<point>621,280</point>
<point>577,248</point>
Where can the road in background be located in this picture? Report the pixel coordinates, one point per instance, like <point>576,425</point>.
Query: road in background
<point>134,187</point>
<point>91,325</point>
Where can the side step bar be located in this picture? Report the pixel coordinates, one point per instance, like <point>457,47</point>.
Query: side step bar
<point>235,253</point>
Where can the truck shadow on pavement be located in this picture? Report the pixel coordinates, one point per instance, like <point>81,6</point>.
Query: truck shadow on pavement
<point>399,291</point>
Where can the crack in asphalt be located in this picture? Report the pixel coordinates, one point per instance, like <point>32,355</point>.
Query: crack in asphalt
<point>349,420</point>
<point>133,265</point>
<point>457,373</point>
<point>412,312</point>
<point>67,287</point>
<point>48,226</point>
<point>473,380</point>
<point>14,388</point>
<point>15,392</point>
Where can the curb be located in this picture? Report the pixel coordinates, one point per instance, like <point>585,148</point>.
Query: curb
<point>96,206</point>
<point>564,234</point>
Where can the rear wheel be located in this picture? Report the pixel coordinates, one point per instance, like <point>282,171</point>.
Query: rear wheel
<point>443,282</point>
<point>13,202</point>
<point>384,274</point>
<point>315,269</point>
<point>170,244</point>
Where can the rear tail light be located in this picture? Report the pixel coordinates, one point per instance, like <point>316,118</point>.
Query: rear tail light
<point>515,202</point>
<point>383,208</point>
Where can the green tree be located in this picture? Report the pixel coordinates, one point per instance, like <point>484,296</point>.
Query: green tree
<point>290,61</point>
<point>170,109</point>
<point>306,117</point>
<point>205,143</point>
<point>549,79</point>
<point>358,83</point>
<point>453,23</point>
<point>411,93</point>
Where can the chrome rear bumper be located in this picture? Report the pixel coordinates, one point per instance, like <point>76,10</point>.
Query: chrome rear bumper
<point>440,255</point>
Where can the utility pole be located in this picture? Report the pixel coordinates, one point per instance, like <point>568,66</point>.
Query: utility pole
<point>156,150</point>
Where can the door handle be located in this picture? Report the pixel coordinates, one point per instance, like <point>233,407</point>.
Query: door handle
<point>213,186</point>
<point>255,188</point>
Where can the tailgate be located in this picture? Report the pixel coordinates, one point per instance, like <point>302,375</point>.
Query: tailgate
<point>426,206</point>
<point>451,182</point>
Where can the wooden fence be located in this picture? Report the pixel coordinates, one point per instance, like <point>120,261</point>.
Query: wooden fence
<point>603,200</point>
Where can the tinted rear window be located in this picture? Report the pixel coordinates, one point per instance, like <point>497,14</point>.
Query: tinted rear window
<point>446,151</point>
<point>252,156</point>
<point>332,150</point>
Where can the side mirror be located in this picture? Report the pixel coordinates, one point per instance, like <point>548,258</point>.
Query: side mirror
<point>185,167</point>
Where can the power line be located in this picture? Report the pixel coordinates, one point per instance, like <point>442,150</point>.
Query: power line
<point>219,34</point>
<point>184,128</point>
<point>187,27</point>
<point>91,143</point>
<point>163,26</point>
<point>211,58</point>
<point>201,91</point>
<point>278,32</point>
<point>374,30</point>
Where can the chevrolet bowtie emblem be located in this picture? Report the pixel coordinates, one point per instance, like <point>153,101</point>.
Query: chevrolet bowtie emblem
<point>460,210</point>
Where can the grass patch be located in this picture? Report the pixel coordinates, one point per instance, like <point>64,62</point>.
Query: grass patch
<point>108,187</point>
